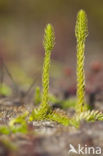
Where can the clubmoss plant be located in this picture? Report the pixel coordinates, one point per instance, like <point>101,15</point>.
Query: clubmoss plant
<point>81,32</point>
<point>44,111</point>
<point>49,42</point>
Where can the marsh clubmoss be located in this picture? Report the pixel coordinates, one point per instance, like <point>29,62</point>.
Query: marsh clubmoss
<point>81,32</point>
<point>44,111</point>
<point>49,41</point>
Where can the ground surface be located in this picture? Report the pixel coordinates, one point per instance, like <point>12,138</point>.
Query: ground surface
<point>46,138</point>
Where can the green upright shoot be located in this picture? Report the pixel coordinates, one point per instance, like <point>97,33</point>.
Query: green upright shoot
<point>49,41</point>
<point>81,32</point>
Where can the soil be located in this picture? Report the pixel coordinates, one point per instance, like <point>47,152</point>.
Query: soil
<point>46,138</point>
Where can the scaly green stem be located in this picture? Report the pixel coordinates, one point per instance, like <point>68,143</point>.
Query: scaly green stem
<point>49,40</point>
<point>81,32</point>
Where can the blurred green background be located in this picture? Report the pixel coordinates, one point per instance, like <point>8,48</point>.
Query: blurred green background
<point>22,24</point>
